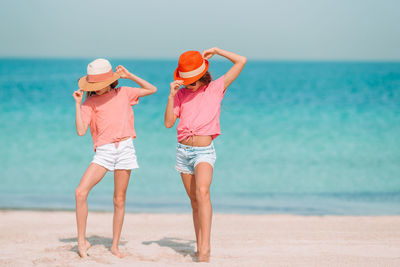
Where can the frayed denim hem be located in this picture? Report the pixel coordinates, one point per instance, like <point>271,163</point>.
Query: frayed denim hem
<point>206,161</point>
<point>183,171</point>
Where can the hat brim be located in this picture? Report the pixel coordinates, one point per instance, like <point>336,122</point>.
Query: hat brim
<point>190,80</point>
<point>91,87</point>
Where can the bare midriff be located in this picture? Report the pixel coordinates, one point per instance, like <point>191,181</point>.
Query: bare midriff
<point>124,138</point>
<point>197,140</point>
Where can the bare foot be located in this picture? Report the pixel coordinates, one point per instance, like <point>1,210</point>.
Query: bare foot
<point>203,257</point>
<point>82,249</point>
<point>119,254</point>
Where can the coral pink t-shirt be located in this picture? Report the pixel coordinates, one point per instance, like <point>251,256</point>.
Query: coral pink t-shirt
<point>110,116</point>
<point>198,111</point>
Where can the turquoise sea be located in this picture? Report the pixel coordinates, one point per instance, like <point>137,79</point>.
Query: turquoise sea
<point>308,138</point>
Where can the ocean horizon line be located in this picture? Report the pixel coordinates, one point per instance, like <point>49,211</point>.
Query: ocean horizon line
<point>250,59</point>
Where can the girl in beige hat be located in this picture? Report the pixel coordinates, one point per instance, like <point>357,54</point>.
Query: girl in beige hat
<point>108,111</point>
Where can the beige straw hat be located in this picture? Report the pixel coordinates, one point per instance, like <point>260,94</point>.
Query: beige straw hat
<point>99,75</point>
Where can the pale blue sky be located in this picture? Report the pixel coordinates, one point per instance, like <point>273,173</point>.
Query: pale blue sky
<point>272,30</point>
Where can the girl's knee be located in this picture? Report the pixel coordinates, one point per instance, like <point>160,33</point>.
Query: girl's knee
<point>119,201</point>
<point>192,196</point>
<point>81,194</point>
<point>202,193</point>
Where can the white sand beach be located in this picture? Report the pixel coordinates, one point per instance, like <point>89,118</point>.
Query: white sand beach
<point>41,238</point>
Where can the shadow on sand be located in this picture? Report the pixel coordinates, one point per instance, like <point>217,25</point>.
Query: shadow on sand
<point>181,246</point>
<point>94,240</point>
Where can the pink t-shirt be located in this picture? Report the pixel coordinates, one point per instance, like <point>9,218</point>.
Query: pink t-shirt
<point>110,116</point>
<point>198,111</point>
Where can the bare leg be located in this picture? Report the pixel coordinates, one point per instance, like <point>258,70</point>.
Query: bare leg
<point>90,178</point>
<point>190,185</point>
<point>203,174</point>
<point>121,180</point>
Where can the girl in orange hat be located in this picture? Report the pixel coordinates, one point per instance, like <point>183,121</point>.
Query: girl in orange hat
<point>197,105</point>
<point>108,112</point>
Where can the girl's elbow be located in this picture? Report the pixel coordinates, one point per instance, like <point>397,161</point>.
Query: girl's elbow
<point>243,60</point>
<point>80,132</point>
<point>151,90</point>
<point>168,124</point>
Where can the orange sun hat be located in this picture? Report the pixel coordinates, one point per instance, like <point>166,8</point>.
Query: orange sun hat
<point>191,67</point>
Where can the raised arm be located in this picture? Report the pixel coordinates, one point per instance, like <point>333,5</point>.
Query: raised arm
<point>146,87</point>
<point>81,126</point>
<point>237,60</point>
<point>170,117</point>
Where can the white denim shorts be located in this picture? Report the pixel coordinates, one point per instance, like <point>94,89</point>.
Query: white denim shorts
<point>187,157</point>
<point>113,158</point>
